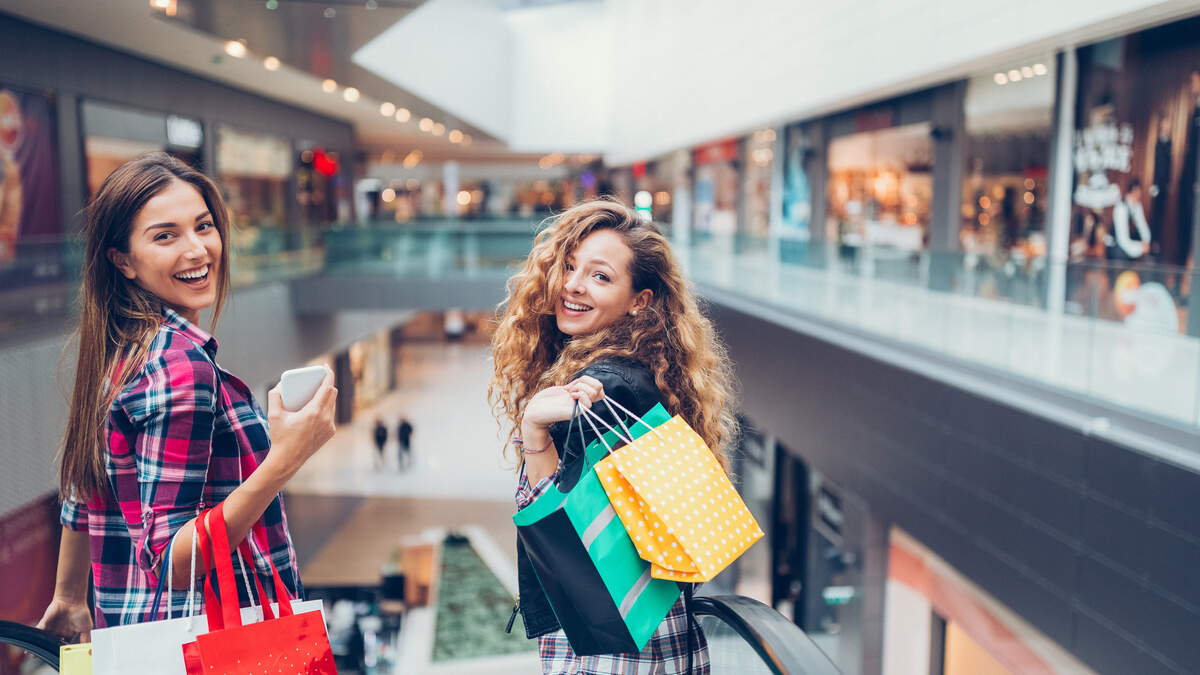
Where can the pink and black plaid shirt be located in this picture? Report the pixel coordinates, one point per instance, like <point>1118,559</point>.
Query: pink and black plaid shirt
<point>181,435</point>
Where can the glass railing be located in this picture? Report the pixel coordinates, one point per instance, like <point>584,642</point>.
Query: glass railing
<point>1116,332</point>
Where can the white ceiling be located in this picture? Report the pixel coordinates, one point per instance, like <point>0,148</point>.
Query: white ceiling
<point>134,26</point>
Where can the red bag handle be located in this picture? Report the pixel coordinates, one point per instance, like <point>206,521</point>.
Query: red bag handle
<point>228,601</point>
<point>211,603</point>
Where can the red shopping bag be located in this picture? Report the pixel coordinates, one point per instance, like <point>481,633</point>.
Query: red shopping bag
<point>284,645</point>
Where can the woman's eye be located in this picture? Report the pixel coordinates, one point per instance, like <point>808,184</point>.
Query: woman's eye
<point>162,236</point>
<point>204,226</point>
<point>602,277</point>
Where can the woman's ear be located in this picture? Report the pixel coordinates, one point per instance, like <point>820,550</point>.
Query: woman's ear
<point>641,301</point>
<point>121,262</point>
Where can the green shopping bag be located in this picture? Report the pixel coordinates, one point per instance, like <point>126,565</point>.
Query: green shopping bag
<point>606,601</point>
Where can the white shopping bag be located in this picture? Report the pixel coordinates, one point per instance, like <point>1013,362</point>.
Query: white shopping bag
<point>157,646</point>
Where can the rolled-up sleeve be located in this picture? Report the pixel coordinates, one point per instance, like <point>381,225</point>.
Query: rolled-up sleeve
<point>172,411</point>
<point>74,515</point>
<point>527,493</point>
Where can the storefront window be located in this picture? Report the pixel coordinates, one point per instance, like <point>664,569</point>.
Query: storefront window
<point>759,161</point>
<point>1135,155</point>
<point>116,134</point>
<point>880,190</point>
<point>716,188</point>
<point>29,209</point>
<point>253,170</point>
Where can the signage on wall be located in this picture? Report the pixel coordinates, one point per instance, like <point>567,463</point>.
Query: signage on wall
<point>1101,148</point>
<point>184,132</point>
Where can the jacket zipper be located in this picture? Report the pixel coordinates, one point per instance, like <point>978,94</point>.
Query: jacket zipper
<point>513,618</point>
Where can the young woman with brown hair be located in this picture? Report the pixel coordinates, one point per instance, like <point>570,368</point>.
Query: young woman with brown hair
<point>601,309</point>
<point>157,431</point>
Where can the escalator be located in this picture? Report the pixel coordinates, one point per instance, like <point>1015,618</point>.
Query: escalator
<point>744,637</point>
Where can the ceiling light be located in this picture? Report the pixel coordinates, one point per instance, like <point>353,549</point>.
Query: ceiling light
<point>329,86</point>
<point>372,4</point>
<point>403,115</point>
<point>1014,75</point>
<point>456,136</point>
<point>388,195</point>
<point>438,129</point>
<point>1000,78</point>
<point>160,4</point>
<point>351,94</point>
<point>329,13</point>
<point>413,158</point>
<point>235,49</point>
<point>271,63</point>
<point>1026,72</point>
<point>272,4</point>
<point>387,109</point>
<point>426,124</point>
<point>1040,69</point>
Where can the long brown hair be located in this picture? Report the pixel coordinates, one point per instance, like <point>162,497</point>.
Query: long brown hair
<point>118,318</point>
<point>670,336</point>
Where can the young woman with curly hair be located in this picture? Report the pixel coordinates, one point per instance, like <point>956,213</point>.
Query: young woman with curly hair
<point>601,309</point>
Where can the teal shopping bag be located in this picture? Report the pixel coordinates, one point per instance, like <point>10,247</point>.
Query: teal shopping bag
<point>600,590</point>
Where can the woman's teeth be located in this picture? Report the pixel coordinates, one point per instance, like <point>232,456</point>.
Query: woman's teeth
<point>574,307</point>
<point>193,275</point>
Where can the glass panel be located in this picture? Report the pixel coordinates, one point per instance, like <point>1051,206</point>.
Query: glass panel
<point>729,652</point>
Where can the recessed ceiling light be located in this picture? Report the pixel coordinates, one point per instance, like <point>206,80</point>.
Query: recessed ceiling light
<point>456,136</point>
<point>329,13</point>
<point>1026,72</point>
<point>272,4</point>
<point>1014,75</point>
<point>351,94</point>
<point>271,63</point>
<point>235,49</point>
<point>1040,69</point>
<point>426,124</point>
<point>329,86</point>
<point>387,109</point>
<point>438,129</point>
<point>1000,78</point>
<point>403,115</point>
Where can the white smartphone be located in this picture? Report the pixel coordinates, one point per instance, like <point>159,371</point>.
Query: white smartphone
<point>297,386</point>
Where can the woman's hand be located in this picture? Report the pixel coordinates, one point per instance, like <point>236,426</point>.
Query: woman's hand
<point>296,436</point>
<point>68,619</point>
<point>555,404</point>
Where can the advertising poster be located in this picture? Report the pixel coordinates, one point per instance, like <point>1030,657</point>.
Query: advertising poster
<point>29,208</point>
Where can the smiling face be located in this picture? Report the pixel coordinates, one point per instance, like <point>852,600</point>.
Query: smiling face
<point>597,285</point>
<point>174,250</point>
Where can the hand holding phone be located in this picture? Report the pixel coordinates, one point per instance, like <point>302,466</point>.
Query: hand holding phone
<point>298,385</point>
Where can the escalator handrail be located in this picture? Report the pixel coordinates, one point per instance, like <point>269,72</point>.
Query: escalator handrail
<point>41,644</point>
<point>783,646</point>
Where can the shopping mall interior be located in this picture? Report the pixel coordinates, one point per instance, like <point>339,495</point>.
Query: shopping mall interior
<point>947,246</point>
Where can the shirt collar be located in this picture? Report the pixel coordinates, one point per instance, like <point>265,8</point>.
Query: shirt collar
<point>175,321</point>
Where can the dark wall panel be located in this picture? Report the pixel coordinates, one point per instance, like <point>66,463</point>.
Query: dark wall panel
<point>1095,544</point>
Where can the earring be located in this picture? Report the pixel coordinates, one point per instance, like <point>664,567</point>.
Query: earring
<point>633,313</point>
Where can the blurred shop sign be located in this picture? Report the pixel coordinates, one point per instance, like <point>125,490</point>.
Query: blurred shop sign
<point>184,132</point>
<point>873,119</point>
<point>721,151</point>
<point>838,595</point>
<point>829,518</point>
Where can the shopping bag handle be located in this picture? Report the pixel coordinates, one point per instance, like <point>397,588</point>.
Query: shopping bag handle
<point>230,609</point>
<point>613,402</point>
<point>170,578</point>
<point>212,604</point>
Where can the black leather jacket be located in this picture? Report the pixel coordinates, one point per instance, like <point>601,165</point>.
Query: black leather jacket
<point>629,383</point>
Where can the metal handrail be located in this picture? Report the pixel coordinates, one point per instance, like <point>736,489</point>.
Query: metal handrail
<point>781,644</point>
<point>41,644</point>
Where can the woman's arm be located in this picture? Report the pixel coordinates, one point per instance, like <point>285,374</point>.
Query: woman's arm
<point>68,615</point>
<point>550,405</point>
<point>295,436</point>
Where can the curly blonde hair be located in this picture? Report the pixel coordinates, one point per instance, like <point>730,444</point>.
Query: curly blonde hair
<point>670,336</point>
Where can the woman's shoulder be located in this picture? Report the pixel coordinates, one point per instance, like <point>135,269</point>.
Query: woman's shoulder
<point>175,367</point>
<point>628,380</point>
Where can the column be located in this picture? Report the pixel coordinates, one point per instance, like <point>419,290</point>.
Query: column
<point>949,154</point>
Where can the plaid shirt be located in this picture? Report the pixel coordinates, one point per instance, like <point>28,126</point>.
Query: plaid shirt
<point>665,654</point>
<point>181,435</point>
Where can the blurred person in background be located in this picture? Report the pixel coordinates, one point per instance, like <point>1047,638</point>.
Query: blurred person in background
<point>157,430</point>
<point>380,434</point>
<point>601,309</point>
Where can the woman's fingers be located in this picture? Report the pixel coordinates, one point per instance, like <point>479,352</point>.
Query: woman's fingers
<point>589,386</point>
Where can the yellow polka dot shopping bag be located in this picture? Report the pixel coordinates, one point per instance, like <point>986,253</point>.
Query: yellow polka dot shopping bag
<point>675,500</point>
